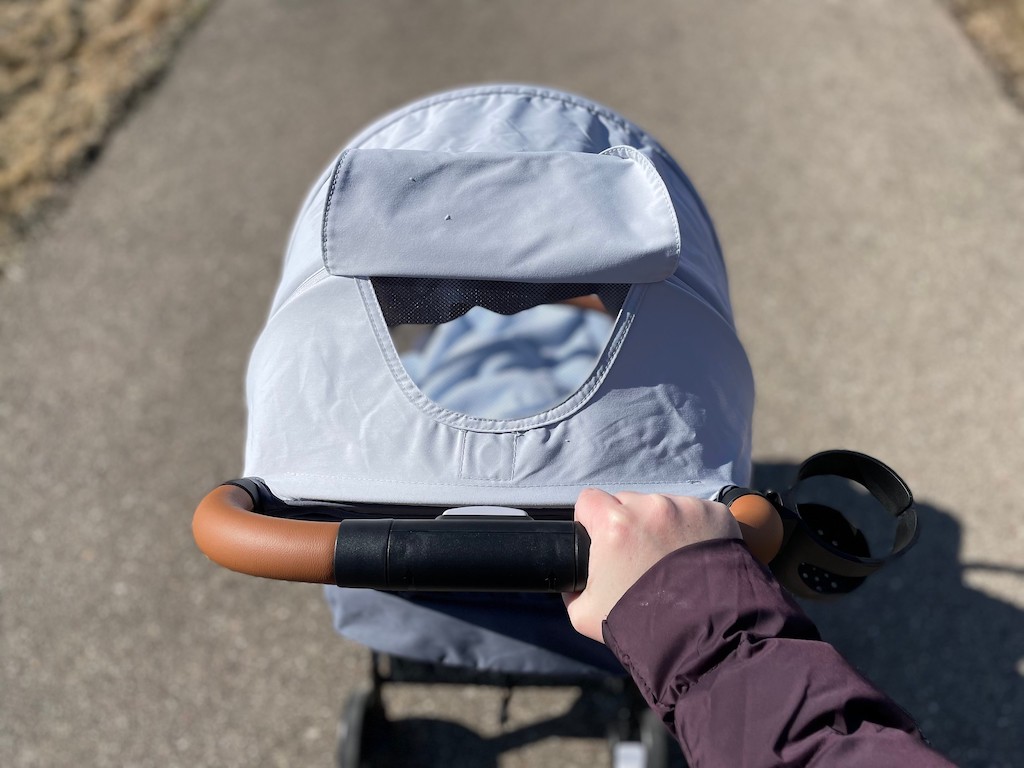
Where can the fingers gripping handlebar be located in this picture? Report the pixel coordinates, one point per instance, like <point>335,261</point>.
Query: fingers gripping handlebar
<point>473,553</point>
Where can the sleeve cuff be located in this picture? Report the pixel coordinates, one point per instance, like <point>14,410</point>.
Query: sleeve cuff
<point>691,610</point>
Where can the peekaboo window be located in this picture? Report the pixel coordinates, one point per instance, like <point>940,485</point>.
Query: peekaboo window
<point>493,349</point>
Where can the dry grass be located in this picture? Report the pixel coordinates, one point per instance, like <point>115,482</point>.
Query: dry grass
<point>997,27</point>
<point>68,69</point>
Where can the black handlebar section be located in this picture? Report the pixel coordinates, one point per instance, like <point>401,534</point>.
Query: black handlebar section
<point>479,554</point>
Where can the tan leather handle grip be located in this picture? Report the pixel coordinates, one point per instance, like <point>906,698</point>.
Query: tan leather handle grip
<point>760,525</point>
<point>232,535</point>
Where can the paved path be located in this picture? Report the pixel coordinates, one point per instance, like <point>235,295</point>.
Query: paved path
<point>866,175</point>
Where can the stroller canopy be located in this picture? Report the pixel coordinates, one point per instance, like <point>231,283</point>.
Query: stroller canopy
<point>504,197</point>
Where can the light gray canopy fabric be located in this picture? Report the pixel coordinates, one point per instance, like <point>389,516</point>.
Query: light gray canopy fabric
<point>513,216</point>
<point>512,186</point>
<point>334,415</point>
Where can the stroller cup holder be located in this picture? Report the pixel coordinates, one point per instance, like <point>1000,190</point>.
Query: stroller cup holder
<point>823,555</point>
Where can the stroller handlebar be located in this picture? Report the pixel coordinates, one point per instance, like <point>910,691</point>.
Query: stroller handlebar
<point>231,534</point>
<point>476,553</point>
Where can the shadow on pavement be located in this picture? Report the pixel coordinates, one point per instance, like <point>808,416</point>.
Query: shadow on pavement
<point>436,742</point>
<point>949,654</point>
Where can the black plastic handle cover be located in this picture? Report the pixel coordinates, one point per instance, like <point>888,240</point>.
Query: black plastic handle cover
<point>462,554</point>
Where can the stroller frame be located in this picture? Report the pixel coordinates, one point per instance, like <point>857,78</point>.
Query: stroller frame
<point>607,706</point>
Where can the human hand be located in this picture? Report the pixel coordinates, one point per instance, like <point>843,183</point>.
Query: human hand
<point>629,533</point>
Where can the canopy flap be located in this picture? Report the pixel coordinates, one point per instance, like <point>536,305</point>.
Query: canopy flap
<point>540,217</point>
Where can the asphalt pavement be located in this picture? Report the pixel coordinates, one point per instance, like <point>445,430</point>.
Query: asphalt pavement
<point>866,174</point>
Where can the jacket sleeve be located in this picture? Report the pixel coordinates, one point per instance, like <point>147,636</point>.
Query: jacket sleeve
<point>740,675</point>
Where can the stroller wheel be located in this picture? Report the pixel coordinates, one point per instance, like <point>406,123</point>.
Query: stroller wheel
<point>656,739</point>
<point>361,732</point>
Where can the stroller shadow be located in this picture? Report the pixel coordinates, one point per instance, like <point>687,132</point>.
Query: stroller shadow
<point>451,744</point>
<point>947,653</point>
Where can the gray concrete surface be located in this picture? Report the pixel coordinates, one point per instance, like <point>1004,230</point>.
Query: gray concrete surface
<point>866,175</point>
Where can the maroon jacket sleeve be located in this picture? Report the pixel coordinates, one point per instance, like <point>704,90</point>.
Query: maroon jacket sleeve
<point>739,673</point>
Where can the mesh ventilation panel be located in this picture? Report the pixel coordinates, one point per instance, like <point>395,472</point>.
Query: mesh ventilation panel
<point>432,301</point>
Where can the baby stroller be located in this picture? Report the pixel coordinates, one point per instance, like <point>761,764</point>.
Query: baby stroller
<point>583,336</point>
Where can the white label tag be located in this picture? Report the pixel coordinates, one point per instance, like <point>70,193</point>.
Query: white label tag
<point>484,512</point>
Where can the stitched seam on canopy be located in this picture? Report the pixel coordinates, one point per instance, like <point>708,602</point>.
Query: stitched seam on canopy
<point>310,282</point>
<point>470,423</point>
<point>485,484</point>
<point>462,453</point>
<point>327,208</point>
<point>676,282</point>
<point>660,189</point>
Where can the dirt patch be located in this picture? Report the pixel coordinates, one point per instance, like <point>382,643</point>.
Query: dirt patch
<point>68,70</point>
<point>997,28</point>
